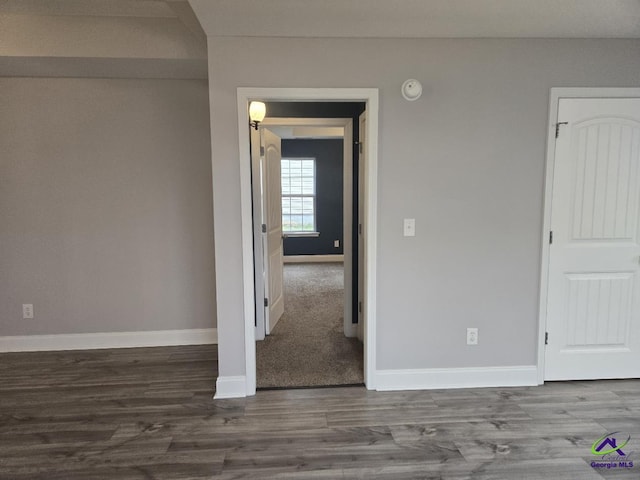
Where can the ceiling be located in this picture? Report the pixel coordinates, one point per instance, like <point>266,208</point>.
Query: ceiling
<point>367,18</point>
<point>167,39</point>
<point>421,18</point>
<point>147,9</point>
<point>101,38</point>
<point>116,8</point>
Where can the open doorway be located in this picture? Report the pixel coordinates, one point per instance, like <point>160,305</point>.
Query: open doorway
<point>312,341</point>
<point>367,226</point>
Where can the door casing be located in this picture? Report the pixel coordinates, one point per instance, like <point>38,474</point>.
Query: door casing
<point>370,97</point>
<point>554,99</point>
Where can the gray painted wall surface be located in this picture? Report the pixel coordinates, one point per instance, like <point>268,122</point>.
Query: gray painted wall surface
<point>105,205</point>
<point>466,161</point>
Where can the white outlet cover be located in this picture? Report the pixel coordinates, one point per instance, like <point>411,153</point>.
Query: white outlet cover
<point>409,229</point>
<point>472,336</point>
<point>27,310</point>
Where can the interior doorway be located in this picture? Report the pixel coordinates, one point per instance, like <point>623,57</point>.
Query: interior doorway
<point>338,242</point>
<point>367,225</point>
<point>314,342</point>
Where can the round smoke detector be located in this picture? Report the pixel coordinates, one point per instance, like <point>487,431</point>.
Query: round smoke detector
<point>411,89</point>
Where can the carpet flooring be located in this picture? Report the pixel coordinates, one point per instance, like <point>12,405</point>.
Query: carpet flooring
<point>308,347</point>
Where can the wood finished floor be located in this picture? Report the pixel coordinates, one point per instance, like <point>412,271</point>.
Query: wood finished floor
<point>149,414</point>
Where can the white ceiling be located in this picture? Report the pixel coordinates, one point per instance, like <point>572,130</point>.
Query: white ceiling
<point>107,8</point>
<point>421,18</point>
<point>147,9</point>
<point>164,38</point>
<point>101,38</point>
<point>288,132</point>
<point>369,18</point>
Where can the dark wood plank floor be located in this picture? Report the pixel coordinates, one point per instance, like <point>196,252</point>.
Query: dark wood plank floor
<point>149,414</point>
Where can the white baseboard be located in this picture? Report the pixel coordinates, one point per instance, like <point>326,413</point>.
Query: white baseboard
<point>312,258</point>
<point>89,341</point>
<point>351,330</point>
<point>231,387</point>
<point>440,378</point>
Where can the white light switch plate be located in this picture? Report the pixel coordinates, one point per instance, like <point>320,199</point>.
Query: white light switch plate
<point>409,227</point>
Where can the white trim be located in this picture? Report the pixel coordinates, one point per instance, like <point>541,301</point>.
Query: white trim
<point>554,98</point>
<point>313,258</point>
<point>90,341</point>
<point>301,234</point>
<point>368,95</point>
<point>437,378</point>
<point>371,241</point>
<point>246,220</point>
<point>230,387</point>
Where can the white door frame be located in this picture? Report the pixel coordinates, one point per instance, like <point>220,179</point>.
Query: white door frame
<point>368,95</point>
<point>554,100</point>
<point>346,124</point>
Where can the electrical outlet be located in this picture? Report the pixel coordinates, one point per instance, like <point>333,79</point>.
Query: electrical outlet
<point>336,243</point>
<point>409,229</point>
<point>472,336</point>
<point>27,310</point>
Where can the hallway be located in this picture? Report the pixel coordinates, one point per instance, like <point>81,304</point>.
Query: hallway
<point>308,346</point>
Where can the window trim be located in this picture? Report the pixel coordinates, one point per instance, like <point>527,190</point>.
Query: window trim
<point>300,234</point>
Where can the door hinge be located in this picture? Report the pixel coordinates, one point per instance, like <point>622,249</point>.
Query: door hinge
<point>359,307</point>
<point>359,229</point>
<point>264,228</point>
<point>266,302</point>
<point>558,127</point>
<point>546,338</point>
<point>262,150</point>
<point>550,237</point>
<point>359,147</point>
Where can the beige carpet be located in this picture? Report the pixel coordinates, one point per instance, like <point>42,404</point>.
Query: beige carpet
<point>308,347</point>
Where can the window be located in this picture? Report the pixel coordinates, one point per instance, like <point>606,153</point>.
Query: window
<point>298,194</point>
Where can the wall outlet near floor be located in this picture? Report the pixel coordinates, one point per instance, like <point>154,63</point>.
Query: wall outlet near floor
<point>336,243</point>
<point>472,336</point>
<point>27,310</point>
<point>409,227</point>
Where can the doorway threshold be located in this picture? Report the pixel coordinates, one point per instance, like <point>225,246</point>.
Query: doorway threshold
<point>310,387</point>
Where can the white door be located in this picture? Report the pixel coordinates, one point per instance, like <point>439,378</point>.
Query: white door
<point>593,310</point>
<point>272,215</point>
<point>362,168</point>
<point>258,237</point>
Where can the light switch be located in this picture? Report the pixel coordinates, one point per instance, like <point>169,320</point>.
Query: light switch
<point>409,227</point>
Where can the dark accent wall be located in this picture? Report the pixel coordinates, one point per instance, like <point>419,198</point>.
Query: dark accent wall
<point>332,110</point>
<point>329,196</point>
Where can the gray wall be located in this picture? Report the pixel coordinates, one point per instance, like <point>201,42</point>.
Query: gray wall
<point>466,161</point>
<point>105,205</point>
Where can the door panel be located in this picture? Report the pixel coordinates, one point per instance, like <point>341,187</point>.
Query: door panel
<point>593,314</point>
<point>273,217</point>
